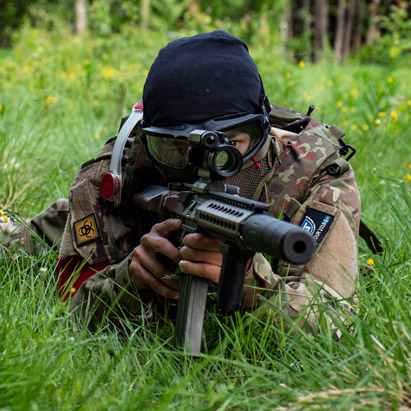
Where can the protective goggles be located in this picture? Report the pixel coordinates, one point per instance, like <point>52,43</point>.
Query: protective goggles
<point>168,146</point>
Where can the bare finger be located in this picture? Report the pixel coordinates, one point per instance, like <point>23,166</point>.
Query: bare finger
<point>162,245</point>
<point>202,242</point>
<point>194,254</point>
<point>167,227</point>
<point>209,271</point>
<point>151,264</point>
<point>142,278</point>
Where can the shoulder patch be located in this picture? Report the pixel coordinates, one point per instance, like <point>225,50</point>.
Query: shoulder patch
<point>86,230</point>
<point>316,223</point>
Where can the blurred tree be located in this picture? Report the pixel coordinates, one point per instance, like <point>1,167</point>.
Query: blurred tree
<point>372,28</point>
<point>320,28</point>
<point>145,13</point>
<point>12,13</point>
<point>351,12</point>
<point>339,32</point>
<point>81,16</point>
<point>307,29</point>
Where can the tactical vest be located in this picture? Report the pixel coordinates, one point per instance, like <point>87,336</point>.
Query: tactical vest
<point>286,169</point>
<point>281,174</point>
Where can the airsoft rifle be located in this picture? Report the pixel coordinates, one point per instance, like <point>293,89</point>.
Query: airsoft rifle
<point>244,226</point>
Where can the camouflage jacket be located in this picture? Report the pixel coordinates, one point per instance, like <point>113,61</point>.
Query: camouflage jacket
<point>299,172</point>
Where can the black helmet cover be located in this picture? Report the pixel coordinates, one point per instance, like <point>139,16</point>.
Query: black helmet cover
<point>195,79</point>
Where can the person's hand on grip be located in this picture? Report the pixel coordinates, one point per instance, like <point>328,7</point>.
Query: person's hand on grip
<point>146,271</point>
<point>201,256</point>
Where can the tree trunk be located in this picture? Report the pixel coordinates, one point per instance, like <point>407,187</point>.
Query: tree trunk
<point>307,15</point>
<point>145,13</point>
<point>349,27</point>
<point>372,29</point>
<point>320,28</point>
<point>339,33</point>
<point>81,16</point>
<point>307,26</point>
<point>287,29</point>
<point>359,26</point>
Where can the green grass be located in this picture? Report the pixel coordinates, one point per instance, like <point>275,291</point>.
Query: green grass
<point>60,100</point>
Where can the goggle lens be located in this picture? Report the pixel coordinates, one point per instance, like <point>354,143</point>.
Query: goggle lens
<point>173,152</point>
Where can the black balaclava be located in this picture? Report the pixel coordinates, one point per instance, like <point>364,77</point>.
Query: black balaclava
<point>195,79</point>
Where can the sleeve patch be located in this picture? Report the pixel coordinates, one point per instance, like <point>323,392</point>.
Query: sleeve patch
<point>316,223</point>
<point>86,230</point>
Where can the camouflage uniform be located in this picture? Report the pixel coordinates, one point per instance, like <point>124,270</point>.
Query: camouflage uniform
<point>297,174</point>
<point>22,233</point>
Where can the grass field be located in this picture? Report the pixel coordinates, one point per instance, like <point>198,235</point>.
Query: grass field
<point>60,100</point>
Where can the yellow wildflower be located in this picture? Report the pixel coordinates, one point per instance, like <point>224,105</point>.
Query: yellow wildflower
<point>378,121</point>
<point>370,261</point>
<point>86,62</point>
<point>409,102</point>
<point>409,166</point>
<point>96,135</point>
<point>408,177</point>
<point>63,74</point>
<point>1,214</point>
<point>354,127</point>
<point>70,106</point>
<point>365,127</point>
<point>1,108</point>
<point>72,290</point>
<point>108,72</point>
<point>390,80</point>
<point>339,103</point>
<point>50,99</point>
<point>288,75</point>
<point>5,219</point>
<point>301,64</point>
<point>25,69</point>
<point>95,102</point>
<point>394,115</point>
<point>381,114</point>
<point>343,109</point>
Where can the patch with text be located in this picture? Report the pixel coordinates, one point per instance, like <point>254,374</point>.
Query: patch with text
<point>316,223</point>
<point>86,230</point>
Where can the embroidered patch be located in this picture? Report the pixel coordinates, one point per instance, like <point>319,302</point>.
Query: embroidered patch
<point>86,230</point>
<point>317,223</point>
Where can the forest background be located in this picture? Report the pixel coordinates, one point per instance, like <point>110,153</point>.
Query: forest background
<point>69,70</point>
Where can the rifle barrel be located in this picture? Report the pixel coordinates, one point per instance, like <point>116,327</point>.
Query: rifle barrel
<point>278,238</point>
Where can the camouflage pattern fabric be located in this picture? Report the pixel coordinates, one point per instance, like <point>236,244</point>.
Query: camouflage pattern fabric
<point>298,180</point>
<point>50,223</point>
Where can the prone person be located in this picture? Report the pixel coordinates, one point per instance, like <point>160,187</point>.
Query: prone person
<point>109,260</point>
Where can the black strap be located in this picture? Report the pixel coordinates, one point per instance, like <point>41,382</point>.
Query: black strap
<point>373,242</point>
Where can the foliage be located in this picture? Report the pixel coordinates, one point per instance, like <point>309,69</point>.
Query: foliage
<point>394,41</point>
<point>61,98</point>
<point>11,17</point>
